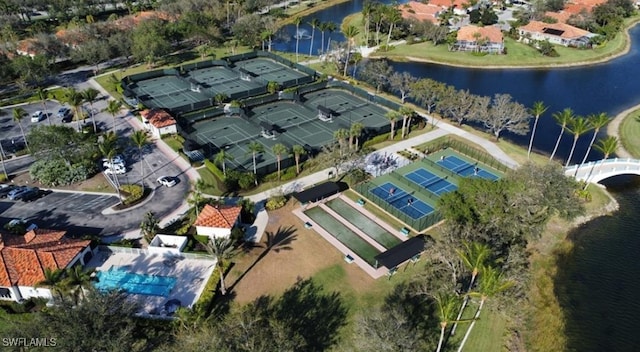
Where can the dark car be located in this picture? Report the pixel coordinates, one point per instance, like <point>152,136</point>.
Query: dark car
<point>17,192</point>
<point>30,195</point>
<point>5,189</point>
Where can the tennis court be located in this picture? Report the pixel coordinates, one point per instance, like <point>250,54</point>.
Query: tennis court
<point>348,108</point>
<point>167,92</point>
<point>221,80</point>
<point>430,181</point>
<point>402,200</point>
<point>464,168</point>
<point>269,70</point>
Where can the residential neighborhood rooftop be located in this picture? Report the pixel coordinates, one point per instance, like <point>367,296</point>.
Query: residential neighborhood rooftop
<point>158,117</point>
<point>562,30</point>
<point>473,33</point>
<point>223,216</point>
<point>420,11</point>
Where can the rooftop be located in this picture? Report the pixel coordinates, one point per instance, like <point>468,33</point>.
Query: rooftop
<point>562,30</point>
<point>223,216</point>
<point>470,34</point>
<point>420,11</point>
<point>158,118</point>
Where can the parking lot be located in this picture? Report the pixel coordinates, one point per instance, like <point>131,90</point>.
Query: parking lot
<point>10,134</point>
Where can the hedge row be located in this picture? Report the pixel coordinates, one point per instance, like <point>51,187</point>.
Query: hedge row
<point>214,169</point>
<point>203,306</point>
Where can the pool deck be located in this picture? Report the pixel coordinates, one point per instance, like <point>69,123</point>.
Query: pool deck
<point>191,274</point>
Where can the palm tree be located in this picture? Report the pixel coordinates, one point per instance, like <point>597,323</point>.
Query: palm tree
<point>406,113</point>
<point>341,135</point>
<point>113,108</point>
<point>562,118</point>
<point>314,23</point>
<point>578,126</point>
<point>54,280</point>
<point>279,150</point>
<point>221,159</point>
<point>90,95</point>
<point>392,116</point>
<point>196,195</point>
<point>491,283</point>
<point>43,95</point>
<point>350,33</point>
<point>255,148</point>
<point>298,151</point>
<point>606,146</point>
<point>367,9</point>
<point>330,27</point>
<point>474,257</point>
<point>354,134</point>
<point>223,249</point>
<point>74,99</point>
<point>323,28</point>
<point>536,110</point>
<point>109,149</point>
<point>297,21</point>
<point>18,115</point>
<point>78,280</point>
<point>393,17</point>
<point>446,306</point>
<point>140,138</point>
<point>149,226</point>
<point>597,122</point>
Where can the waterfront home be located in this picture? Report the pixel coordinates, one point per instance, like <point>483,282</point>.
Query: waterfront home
<point>487,39</point>
<point>24,259</point>
<point>217,221</point>
<point>421,12</point>
<point>460,7</point>
<point>159,122</point>
<point>555,33</point>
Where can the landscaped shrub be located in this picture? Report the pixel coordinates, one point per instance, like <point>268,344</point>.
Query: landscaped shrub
<point>3,177</point>
<point>55,172</point>
<point>133,193</point>
<point>375,140</point>
<point>276,202</point>
<point>202,307</point>
<point>128,243</point>
<point>211,166</point>
<point>247,180</point>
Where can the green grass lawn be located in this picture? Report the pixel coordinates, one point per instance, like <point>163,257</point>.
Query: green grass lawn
<point>629,132</point>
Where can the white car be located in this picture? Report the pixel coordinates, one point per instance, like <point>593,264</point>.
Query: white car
<point>167,181</point>
<point>115,164</point>
<point>116,170</point>
<point>118,159</point>
<point>37,116</point>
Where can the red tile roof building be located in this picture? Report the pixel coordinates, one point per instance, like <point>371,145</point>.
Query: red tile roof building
<point>556,33</point>
<point>421,11</point>
<point>160,121</point>
<point>222,216</point>
<point>482,39</point>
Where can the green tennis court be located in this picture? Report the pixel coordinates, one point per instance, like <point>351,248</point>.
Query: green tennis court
<point>269,70</point>
<point>167,92</point>
<point>222,80</point>
<point>349,108</point>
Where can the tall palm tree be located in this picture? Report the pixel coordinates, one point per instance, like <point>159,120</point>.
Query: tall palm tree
<point>393,17</point>
<point>43,95</point>
<point>297,21</point>
<point>491,283</point>
<point>221,159</point>
<point>406,113</point>
<point>331,27</point>
<point>446,306</point>
<point>350,33</point>
<point>196,195</point>
<point>354,134</point>
<point>578,126</point>
<point>90,95</point>
<point>298,151</point>
<point>562,118</point>
<point>313,23</point>
<point>341,136</point>
<point>597,121</point>
<point>536,110</point>
<point>255,148</point>
<point>140,138</point>
<point>113,108</point>
<point>367,9</point>
<point>393,117</point>
<point>74,99</point>
<point>54,280</point>
<point>18,115</point>
<point>606,146</point>
<point>223,249</point>
<point>108,148</point>
<point>323,28</point>
<point>279,150</point>
<point>78,280</point>
<point>474,256</point>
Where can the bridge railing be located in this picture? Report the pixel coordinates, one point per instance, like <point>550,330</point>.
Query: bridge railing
<point>603,162</point>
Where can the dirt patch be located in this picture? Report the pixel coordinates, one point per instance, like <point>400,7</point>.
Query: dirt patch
<point>275,272</point>
<point>95,184</point>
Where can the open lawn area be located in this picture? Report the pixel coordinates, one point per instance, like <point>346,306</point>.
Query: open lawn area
<point>308,255</point>
<point>629,132</point>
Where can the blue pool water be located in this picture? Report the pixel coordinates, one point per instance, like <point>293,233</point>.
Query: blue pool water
<point>465,169</point>
<point>119,279</point>
<point>400,200</point>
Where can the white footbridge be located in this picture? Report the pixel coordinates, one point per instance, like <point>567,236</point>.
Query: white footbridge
<point>596,171</point>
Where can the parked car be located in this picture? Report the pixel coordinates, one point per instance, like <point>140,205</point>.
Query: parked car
<point>15,223</point>
<point>5,189</point>
<point>37,116</point>
<point>167,181</point>
<point>114,164</point>
<point>116,170</point>
<point>31,195</point>
<point>15,193</point>
<point>118,159</point>
<point>64,112</point>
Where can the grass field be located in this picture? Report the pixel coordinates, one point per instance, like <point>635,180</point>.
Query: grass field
<point>629,132</point>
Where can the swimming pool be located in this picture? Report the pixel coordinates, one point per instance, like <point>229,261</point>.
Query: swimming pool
<point>120,279</point>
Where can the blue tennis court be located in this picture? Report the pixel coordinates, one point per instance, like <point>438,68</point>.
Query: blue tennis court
<point>464,168</point>
<point>402,200</point>
<point>433,183</point>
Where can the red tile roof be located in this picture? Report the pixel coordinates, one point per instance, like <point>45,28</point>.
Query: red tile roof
<point>468,33</point>
<point>158,118</point>
<point>420,11</point>
<point>561,16</point>
<point>23,259</point>
<point>566,31</point>
<point>575,6</point>
<point>460,4</point>
<point>221,217</point>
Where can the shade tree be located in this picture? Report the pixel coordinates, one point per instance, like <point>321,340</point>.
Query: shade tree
<point>505,115</point>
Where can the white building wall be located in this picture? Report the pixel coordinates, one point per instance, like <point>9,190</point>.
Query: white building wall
<point>213,232</point>
<point>27,292</point>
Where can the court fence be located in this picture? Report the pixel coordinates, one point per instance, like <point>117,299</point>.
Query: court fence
<point>201,65</point>
<point>368,96</point>
<point>432,164</point>
<point>467,150</point>
<point>195,116</point>
<point>415,187</point>
<point>419,225</point>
